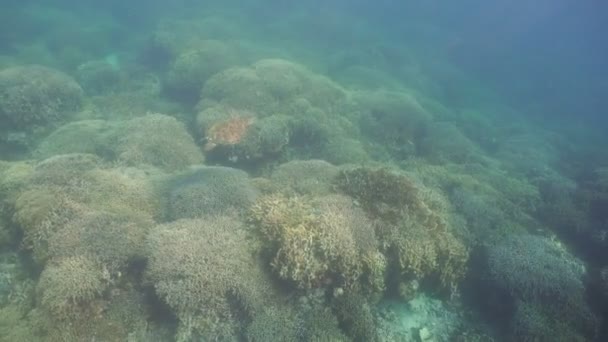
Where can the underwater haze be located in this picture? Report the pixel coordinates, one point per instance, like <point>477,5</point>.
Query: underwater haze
<point>265,170</point>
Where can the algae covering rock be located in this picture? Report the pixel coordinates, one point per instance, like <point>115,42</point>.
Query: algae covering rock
<point>36,95</point>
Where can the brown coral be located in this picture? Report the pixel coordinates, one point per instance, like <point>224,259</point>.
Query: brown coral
<point>202,269</point>
<point>414,225</point>
<point>316,242</point>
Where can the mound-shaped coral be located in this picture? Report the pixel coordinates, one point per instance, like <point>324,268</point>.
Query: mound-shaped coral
<point>304,177</point>
<point>86,136</point>
<point>209,191</point>
<point>533,267</point>
<point>36,95</point>
<point>443,142</point>
<point>414,225</point>
<point>98,76</point>
<point>307,109</point>
<point>393,120</point>
<point>158,140</point>
<point>544,284</point>
<point>273,86</point>
<point>111,240</point>
<point>64,188</point>
<point>316,243</point>
<point>240,135</point>
<point>206,271</point>
<point>68,287</point>
<point>192,67</point>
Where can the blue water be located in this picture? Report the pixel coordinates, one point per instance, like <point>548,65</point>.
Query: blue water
<point>249,170</point>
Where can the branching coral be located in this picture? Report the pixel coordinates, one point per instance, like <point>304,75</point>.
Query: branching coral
<point>68,287</point>
<point>304,177</point>
<point>65,188</point>
<point>315,242</point>
<point>413,224</point>
<point>272,86</point>
<point>209,191</point>
<point>158,140</point>
<point>382,192</point>
<point>109,239</point>
<point>205,270</point>
<point>306,110</point>
<point>35,94</point>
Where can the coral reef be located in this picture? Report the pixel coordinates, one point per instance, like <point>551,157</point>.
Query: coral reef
<point>86,136</point>
<point>356,316</point>
<point>68,287</point>
<point>443,142</point>
<point>414,225</point>
<point>403,199</point>
<point>110,240</point>
<point>315,242</point>
<point>191,68</point>
<point>99,76</point>
<point>304,177</point>
<point>273,323</point>
<point>209,191</point>
<point>36,95</point>
<point>158,140</point>
<point>271,87</point>
<point>64,188</point>
<point>393,120</point>
<point>206,271</point>
<point>240,135</point>
<point>533,272</point>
